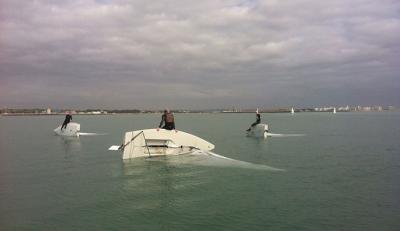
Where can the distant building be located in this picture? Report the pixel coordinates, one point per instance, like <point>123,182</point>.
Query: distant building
<point>48,111</point>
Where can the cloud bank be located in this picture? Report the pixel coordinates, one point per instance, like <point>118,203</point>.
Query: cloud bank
<point>199,54</point>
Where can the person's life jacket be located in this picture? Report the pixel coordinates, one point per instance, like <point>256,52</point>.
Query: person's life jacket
<point>169,118</point>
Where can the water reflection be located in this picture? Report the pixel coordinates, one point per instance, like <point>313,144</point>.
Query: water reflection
<point>156,189</point>
<point>70,144</point>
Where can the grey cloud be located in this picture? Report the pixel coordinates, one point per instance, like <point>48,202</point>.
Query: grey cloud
<point>198,54</point>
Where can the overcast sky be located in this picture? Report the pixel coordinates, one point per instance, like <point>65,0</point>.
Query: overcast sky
<point>199,54</point>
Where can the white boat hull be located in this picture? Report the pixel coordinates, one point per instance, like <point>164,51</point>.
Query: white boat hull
<point>258,131</point>
<point>161,142</point>
<point>72,129</point>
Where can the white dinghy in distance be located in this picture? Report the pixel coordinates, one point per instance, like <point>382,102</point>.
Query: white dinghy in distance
<point>72,129</point>
<point>258,131</point>
<point>160,142</point>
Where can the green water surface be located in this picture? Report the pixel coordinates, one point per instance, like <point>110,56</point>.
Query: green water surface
<point>343,174</point>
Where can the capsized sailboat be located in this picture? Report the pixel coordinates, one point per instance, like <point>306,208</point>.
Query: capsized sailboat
<point>160,142</point>
<point>258,131</point>
<point>72,129</point>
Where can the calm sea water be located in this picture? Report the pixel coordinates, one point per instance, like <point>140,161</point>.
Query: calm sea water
<point>342,175</point>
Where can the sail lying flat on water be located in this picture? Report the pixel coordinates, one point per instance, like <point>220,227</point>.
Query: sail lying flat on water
<point>211,159</point>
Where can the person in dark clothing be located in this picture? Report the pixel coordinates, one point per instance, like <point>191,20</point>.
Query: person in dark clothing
<point>68,119</point>
<point>258,120</point>
<point>168,120</point>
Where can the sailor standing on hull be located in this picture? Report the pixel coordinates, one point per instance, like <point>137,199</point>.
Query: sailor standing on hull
<point>68,119</point>
<point>258,120</point>
<point>168,120</point>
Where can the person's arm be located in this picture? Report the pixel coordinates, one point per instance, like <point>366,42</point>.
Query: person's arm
<point>162,120</point>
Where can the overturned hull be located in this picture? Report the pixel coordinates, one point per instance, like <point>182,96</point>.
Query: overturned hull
<point>161,142</point>
<point>258,131</point>
<point>72,129</point>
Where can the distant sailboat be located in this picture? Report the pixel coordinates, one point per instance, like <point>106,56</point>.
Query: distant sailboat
<point>292,111</point>
<point>334,110</point>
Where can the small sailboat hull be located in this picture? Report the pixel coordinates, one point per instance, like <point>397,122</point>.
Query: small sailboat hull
<point>72,129</point>
<point>258,131</point>
<point>161,142</point>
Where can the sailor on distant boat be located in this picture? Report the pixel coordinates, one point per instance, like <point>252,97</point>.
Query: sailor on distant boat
<point>258,120</point>
<point>168,120</point>
<point>68,119</point>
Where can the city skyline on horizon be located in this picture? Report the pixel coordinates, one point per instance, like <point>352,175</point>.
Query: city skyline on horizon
<point>227,109</point>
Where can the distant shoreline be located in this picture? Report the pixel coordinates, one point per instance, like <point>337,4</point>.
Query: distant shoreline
<point>98,111</point>
<point>135,113</point>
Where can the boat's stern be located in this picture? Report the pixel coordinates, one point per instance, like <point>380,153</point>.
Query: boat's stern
<point>158,142</point>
